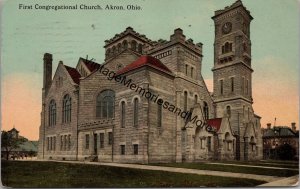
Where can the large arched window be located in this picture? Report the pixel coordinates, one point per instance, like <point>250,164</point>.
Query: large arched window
<point>122,114</point>
<point>105,104</point>
<point>205,111</point>
<point>67,107</point>
<point>52,113</point>
<point>135,112</point>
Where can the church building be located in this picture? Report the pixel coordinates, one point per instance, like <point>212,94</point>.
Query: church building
<point>88,115</point>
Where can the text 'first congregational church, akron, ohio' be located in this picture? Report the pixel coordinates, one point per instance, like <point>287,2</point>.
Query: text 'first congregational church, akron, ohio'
<point>85,116</point>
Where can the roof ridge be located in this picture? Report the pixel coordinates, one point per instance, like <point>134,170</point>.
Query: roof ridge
<point>145,60</point>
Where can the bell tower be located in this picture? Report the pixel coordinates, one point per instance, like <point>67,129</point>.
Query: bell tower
<point>232,61</point>
<point>232,69</point>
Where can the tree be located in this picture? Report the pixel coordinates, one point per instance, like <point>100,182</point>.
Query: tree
<point>9,142</point>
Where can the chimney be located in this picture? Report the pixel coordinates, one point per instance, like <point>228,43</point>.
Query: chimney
<point>268,125</point>
<point>293,126</point>
<point>47,72</point>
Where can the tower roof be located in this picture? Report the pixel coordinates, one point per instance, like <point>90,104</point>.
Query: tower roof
<point>145,61</point>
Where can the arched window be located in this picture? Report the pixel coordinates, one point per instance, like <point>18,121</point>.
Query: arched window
<point>119,47</point>
<point>125,44</point>
<point>114,50</point>
<point>67,106</point>
<point>122,114</point>
<point>227,47</point>
<point>185,100</point>
<point>105,104</point>
<point>228,111</point>
<point>205,111</point>
<point>159,115</point>
<point>135,111</point>
<point>52,113</point>
<point>140,48</point>
<point>133,45</point>
<point>186,69</point>
<point>196,99</point>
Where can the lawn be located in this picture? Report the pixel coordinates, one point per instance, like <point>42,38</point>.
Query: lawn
<point>235,169</point>
<point>53,174</point>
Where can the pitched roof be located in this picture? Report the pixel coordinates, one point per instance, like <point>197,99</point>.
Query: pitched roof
<point>279,131</point>
<point>92,66</point>
<point>215,123</point>
<point>75,75</point>
<point>145,61</point>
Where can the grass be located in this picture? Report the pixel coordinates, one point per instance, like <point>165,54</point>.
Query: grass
<point>35,174</point>
<point>235,169</point>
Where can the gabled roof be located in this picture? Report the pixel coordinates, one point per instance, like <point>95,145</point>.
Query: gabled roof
<point>215,123</point>
<point>145,61</point>
<point>92,66</point>
<point>75,75</point>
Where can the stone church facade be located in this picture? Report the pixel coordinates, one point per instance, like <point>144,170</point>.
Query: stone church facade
<point>87,115</point>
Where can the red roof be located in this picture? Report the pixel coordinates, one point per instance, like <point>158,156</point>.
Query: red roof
<point>145,61</point>
<point>215,123</point>
<point>92,66</point>
<point>75,75</point>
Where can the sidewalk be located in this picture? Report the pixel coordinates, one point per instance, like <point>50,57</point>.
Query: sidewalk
<point>257,166</point>
<point>184,170</point>
<point>290,181</point>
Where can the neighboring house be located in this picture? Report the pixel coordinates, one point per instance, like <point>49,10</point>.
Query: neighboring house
<point>26,149</point>
<point>88,115</point>
<point>281,140</point>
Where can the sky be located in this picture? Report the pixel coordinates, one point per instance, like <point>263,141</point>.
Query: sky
<point>69,34</point>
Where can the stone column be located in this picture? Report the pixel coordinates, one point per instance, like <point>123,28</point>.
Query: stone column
<point>246,148</point>
<point>220,147</point>
<point>178,148</point>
